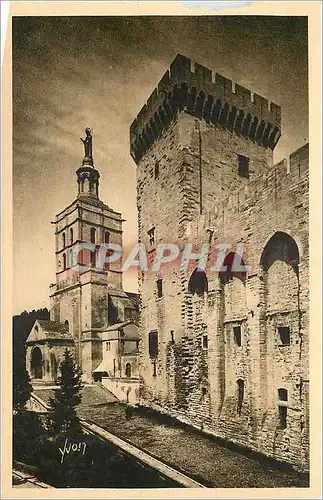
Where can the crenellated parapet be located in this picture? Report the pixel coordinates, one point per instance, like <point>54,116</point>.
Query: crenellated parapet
<point>209,96</point>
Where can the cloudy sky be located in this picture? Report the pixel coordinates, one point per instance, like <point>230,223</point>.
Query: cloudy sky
<point>73,72</point>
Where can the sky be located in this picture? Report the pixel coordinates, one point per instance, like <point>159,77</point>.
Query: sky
<point>74,72</point>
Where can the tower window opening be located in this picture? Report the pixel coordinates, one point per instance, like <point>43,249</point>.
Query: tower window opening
<point>243,166</point>
<point>151,236</point>
<point>198,283</point>
<point>156,170</point>
<point>64,261</point>
<point>93,231</point>
<point>153,344</point>
<point>159,288</point>
<point>106,237</point>
<point>128,370</point>
<point>282,408</point>
<point>71,257</point>
<point>240,395</point>
<point>107,346</point>
<point>284,335</point>
<point>64,240</point>
<point>204,394</point>
<point>237,335</point>
<point>205,342</point>
<point>71,236</point>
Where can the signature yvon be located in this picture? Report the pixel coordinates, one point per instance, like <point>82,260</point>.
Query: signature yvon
<point>72,448</point>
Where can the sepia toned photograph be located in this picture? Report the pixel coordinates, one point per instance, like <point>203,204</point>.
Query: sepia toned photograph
<point>161,299</point>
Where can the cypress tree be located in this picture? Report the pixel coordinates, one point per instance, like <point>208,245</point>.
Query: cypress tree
<point>66,399</point>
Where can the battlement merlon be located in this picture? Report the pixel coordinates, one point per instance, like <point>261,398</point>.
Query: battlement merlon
<point>209,96</point>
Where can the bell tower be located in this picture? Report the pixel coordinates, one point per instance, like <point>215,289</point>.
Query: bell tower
<point>90,300</point>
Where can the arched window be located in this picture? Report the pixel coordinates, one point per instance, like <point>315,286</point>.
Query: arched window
<point>64,261</point>
<point>281,246</point>
<point>36,363</point>
<point>66,323</point>
<point>71,236</point>
<point>279,262</point>
<point>233,281</point>
<point>128,370</point>
<point>198,283</point>
<point>106,237</point>
<point>63,240</point>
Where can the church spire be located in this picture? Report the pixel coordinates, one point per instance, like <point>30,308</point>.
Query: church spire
<point>87,175</point>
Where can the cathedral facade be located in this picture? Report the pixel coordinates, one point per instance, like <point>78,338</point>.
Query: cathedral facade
<point>86,299</point>
<point>227,351</point>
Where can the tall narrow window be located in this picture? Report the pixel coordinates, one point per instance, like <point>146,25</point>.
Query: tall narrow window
<point>205,342</point>
<point>153,344</point>
<point>154,367</point>
<point>108,252</point>
<point>243,166</point>
<point>159,288</point>
<point>93,234</point>
<point>156,170</point>
<point>107,346</point>
<point>282,407</point>
<point>93,252</point>
<point>240,395</point>
<point>237,335</point>
<point>151,236</point>
<point>204,394</point>
<point>114,367</point>
<point>64,261</point>
<point>63,240</point>
<point>128,370</point>
<point>71,236</point>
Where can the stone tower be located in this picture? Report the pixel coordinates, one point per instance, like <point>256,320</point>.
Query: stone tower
<point>197,139</point>
<point>224,352</point>
<point>90,299</point>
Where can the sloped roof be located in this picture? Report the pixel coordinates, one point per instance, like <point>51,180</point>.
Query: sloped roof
<point>119,326</point>
<point>48,330</point>
<point>127,330</point>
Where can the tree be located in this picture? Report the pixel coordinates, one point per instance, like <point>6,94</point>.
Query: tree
<point>22,387</point>
<point>67,397</point>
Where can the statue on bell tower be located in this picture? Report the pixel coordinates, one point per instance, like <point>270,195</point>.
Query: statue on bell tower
<point>87,142</point>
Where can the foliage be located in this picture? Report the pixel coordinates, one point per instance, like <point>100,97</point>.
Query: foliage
<point>67,397</point>
<point>22,387</point>
<point>28,436</point>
